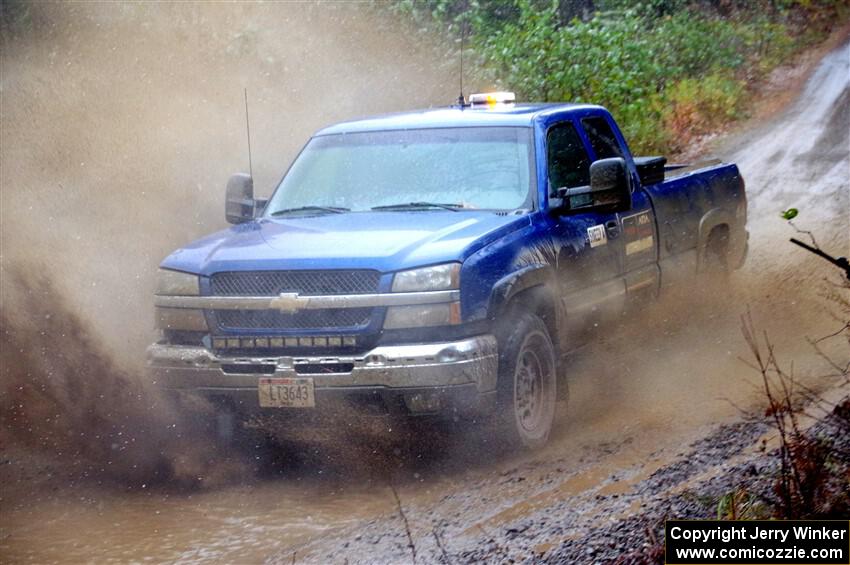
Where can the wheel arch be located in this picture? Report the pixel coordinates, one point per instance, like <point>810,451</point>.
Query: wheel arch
<point>715,223</point>
<point>532,288</point>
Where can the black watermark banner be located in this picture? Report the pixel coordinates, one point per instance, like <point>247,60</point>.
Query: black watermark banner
<point>762,542</point>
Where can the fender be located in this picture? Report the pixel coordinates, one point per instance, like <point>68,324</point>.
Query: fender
<point>710,220</point>
<point>532,277</point>
<point>512,284</point>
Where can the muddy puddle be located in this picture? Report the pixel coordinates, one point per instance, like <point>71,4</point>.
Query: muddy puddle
<point>235,524</point>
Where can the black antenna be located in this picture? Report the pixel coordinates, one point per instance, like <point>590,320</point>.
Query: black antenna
<point>248,128</point>
<point>460,99</point>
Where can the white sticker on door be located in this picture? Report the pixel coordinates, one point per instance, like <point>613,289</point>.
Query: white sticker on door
<point>596,235</point>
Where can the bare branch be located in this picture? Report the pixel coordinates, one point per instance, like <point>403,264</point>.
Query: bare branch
<point>405,522</point>
<point>805,232</point>
<point>841,370</point>
<point>441,546</point>
<point>834,334</point>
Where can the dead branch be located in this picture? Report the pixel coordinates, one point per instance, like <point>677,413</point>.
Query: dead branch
<point>840,262</point>
<point>805,232</point>
<point>802,458</point>
<point>846,326</point>
<point>405,522</point>
<point>842,371</point>
<point>441,546</point>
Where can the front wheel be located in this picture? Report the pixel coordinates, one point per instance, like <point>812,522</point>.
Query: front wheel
<point>527,382</point>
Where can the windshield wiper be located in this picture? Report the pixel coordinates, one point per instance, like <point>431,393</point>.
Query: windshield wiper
<point>328,209</point>
<point>413,205</point>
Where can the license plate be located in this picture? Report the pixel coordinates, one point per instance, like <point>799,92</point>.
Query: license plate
<point>286,393</point>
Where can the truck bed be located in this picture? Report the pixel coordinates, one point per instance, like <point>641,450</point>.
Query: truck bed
<point>693,199</point>
<point>675,170</point>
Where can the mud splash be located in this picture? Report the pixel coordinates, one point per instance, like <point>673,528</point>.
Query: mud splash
<point>65,397</point>
<point>120,126</point>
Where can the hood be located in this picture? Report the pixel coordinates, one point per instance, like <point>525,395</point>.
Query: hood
<point>384,241</point>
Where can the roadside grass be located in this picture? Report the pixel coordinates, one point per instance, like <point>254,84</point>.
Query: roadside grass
<point>740,504</point>
<point>669,70</point>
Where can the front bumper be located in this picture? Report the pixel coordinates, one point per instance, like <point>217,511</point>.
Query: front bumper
<point>416,378</point>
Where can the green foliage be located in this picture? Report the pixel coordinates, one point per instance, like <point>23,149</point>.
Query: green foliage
<point>691,45</point>
<point>696,106</point>
<point>649,73</point>
<point>667,69</point>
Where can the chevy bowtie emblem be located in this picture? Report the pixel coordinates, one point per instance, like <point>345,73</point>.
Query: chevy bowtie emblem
<point>286,302</point>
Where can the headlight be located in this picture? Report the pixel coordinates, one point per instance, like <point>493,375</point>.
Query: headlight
<point>445,314</point>
<point>175,283</point>
<point>438,277</point>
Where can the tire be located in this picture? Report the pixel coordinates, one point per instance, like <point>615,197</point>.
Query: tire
<point>527,395</point>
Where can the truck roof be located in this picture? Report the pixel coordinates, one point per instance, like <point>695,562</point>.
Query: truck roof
<point>522,115</point>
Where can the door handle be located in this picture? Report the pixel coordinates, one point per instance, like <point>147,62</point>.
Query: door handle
<point>613,229</point>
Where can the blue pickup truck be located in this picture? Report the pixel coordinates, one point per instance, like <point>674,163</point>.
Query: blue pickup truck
<point>440,262</point>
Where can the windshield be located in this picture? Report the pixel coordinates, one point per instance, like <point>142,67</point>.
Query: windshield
<point>480,168</point>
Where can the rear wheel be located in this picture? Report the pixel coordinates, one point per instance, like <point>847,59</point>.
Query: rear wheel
<point>527,382</point>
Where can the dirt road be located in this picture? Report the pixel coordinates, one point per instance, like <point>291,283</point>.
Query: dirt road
<point>641,395</point>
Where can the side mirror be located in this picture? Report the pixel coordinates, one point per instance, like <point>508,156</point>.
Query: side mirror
<point>239,200</point>
<point>610,188</point>
<point>610,176</point>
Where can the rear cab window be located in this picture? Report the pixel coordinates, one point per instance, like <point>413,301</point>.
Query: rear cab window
<point>602,139</point>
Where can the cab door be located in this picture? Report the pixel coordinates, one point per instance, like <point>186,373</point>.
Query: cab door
<point>588,244</point>
<point>639,240</point>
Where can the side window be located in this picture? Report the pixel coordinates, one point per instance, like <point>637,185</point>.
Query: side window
<point>601,138</point>
<point>569,165</point>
